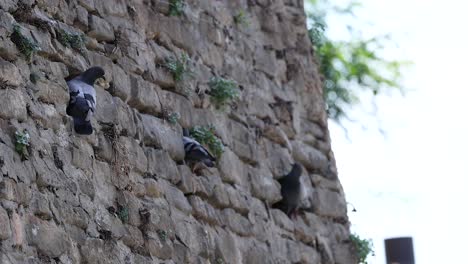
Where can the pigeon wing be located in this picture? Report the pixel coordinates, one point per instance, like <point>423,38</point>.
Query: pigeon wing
<point>195,151</point>
<point>82,105</point>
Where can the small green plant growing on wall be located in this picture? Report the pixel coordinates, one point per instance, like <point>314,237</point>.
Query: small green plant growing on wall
<point>205,135</point>
<point>173,118</point>
<point>176,7</point>
<point>180,67</point>
<point>223,91</point>
<point>22,144</point>
<point>71,40</point>
<point>241,18</point>
<point>122,213</point>
<point>25,45</point>
<point>34,77</point>
<point>362,247</point>
<point>162,234</point>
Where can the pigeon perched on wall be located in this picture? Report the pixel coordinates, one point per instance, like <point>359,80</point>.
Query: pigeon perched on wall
<point>82,102</point>
<point>290,191</point>
<point>195,153</point>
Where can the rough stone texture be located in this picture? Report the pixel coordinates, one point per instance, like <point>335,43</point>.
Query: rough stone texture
<point>124,193</point>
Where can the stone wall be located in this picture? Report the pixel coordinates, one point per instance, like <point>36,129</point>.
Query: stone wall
<point>123,194</point>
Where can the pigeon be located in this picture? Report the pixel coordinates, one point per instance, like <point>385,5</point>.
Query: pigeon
<point>82,102</point>
<point>196,153</point>
<point>290,191</point>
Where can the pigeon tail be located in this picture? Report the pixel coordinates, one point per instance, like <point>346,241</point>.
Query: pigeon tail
<point>82,126</point>
<point>79,108</point>
<point>209,163</point>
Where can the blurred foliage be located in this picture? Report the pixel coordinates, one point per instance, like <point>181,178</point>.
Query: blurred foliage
<point>223,91</point>
<point>362,247</point>
<point>241,18</point>
<point>173,118</point>
<point>205,135</point>
<point>123,214</point>
<point>72,40</point>
<point>24,44</point>
<point>22,143</point>
<point>349,67</point>
<point>180,67</point>
<point>176,7</point>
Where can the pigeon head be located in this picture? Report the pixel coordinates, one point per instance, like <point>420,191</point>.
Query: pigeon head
<point>296,170</point>
<point>91,74</point>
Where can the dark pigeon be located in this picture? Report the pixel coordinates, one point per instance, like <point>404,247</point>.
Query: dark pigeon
<point>82,102</point>
<point>290,191</point>
<point>196,153</point>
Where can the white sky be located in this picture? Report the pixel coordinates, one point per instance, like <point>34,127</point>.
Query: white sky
<point>414,180</point>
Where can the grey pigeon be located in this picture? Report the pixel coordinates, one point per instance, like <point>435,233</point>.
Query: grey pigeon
<point>196,153</point>
<point>290,191</point>
<point>82,102</point>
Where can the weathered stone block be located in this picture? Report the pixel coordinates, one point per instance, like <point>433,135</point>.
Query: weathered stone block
<point>326,253</point>
<point>204,210</point>
<point>161,165</point>
<point>104,189</point>
<point>277,135</point>
<point>265,61</point>
<point>232,169</point>
<point>133,154</point>
<point>82,157</point>
<point>52,92</point>
<point>220,197</point>
<point>8,189</point>
<point>153,189</point>
<point>282,220</point>
<point>228,248</point>
<point>159,247</point>
<point>187,182</point>
<point>329,203</point>
<point>116,8</point>
<point>129,201</point>
<point>243,142</point>
<point>279,159</point>
<point>47,115</point>
<point>17,229</point>
<point>311,158</point>
<point>263,186</point>
<point>5,231</point>
<point>10,75</point>
<point>133,238</point>
<point>49,239</point>
<point>175,103</point>
<point>8,49</point>
<point>239,199</point>
<point>13,104</point>
<point>160,134</point>
<point>237,223</point>
<point>120,85</point>
<point>176,198</point>
<point>125,118</point>
<point>106,109</point>
<point>88,4</point>
<point>100,29</point>
<point>40,206</point>
<point>144,96</point>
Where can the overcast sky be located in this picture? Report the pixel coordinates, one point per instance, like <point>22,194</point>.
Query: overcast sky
<point>414,180</point>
